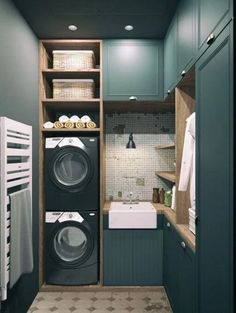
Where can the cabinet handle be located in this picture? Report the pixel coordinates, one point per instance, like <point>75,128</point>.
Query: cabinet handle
<point>133,98</point>
<point>183,73</point>
<point>183,245</point>
<point>168,224</point>
<point>210,39</point>
<point>168,91</point>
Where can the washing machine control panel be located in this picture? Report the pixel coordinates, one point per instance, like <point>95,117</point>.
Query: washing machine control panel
<point>52,217</point>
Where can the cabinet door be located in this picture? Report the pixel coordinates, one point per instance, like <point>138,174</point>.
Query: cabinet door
<point>133,68</point>
<point>170,58</point>
<point>214,203</point>
<point>118,260</point>
<point>185,36</point>
<point>213,15</point>
<point>148,257</point>
<point>186,279</point>
<point>170,264</point>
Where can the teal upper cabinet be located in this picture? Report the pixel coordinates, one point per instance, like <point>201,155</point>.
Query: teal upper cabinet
<point>170,58</point>
<point>213,15</point>
<point>133,68</point>
<point>185,36</point>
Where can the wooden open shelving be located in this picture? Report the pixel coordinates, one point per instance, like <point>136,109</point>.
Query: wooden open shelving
<point>50,109</point>
<point>170,176</point>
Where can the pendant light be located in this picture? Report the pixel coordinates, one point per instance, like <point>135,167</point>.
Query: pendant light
<point>131,144</point>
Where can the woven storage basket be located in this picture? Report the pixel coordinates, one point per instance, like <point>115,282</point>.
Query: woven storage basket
<point>73,88</point>
<point>73,59</point>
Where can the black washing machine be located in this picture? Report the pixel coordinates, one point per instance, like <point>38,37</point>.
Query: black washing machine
<point>71,174</point>
<point>71,248</point>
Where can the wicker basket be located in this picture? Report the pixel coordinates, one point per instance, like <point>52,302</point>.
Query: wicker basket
<point>73,59</point>
<point>73,88</point>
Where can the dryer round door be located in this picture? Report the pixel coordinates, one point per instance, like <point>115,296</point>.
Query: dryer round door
<point>70,244</point>
<point>71,169</point>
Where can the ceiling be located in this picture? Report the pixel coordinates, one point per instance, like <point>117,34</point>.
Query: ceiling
<point>98,18</point>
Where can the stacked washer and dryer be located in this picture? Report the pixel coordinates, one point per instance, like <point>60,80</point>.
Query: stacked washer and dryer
<point>71,210</point>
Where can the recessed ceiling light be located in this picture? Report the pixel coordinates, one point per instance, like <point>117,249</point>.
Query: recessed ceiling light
<point>129,27</point>
<point>72,27</point>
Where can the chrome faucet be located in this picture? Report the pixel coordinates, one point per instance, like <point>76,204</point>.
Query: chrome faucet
<point>131,200</point>
<point>130,196</point>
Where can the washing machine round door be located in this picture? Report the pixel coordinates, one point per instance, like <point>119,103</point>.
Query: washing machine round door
<point>71,169</point>
<point>71,244</point>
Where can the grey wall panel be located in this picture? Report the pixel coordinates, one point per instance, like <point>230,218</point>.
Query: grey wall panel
<point>19,101</point>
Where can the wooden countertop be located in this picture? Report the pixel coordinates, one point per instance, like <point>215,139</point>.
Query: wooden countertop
<point>182,229</point>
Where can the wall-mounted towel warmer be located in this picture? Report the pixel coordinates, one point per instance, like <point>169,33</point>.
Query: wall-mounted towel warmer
<point>16,174</point>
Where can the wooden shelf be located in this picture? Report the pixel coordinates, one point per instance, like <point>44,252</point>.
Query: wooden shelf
<point>167,146</point>
<point>55,130</point>
<point>86,105</point>
<point>73,74</point>
<point>167,175</point>
<point>51,100</point>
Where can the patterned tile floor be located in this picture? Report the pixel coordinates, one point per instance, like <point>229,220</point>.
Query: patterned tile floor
<point>134,301</point>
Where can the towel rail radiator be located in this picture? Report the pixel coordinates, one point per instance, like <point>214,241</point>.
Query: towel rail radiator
<point>15,174</point>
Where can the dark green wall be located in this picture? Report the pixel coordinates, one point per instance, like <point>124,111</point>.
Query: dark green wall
<point>19,101</point>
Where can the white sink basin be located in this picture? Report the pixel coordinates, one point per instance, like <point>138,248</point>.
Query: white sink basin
<point>125,215</point>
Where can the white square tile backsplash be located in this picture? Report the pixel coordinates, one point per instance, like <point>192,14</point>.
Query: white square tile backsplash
<point>134,169</point>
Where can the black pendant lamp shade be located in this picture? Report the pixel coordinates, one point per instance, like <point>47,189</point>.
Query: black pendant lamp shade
<point>131,144</point>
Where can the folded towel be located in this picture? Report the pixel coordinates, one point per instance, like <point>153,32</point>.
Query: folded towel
<point>21,249</point>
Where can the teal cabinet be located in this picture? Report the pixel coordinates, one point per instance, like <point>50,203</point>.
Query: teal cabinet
<point>148,260</point>
<point>133,257</point>
<point>170,261</point>
<point>186,43</point>
<point>215,168</point>
<point>133,68</point>
<point>178,271</point>
<point>170,58</point>
<point>118,257</point>
<point>212,17</point>
<point>186,293</point>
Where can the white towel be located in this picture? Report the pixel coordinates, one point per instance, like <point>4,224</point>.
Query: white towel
<point>188,160</point>
<point>21,249</point>
<point>173,201</point>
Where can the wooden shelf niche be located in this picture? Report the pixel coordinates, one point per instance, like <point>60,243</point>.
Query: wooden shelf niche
<point>184,106</point>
